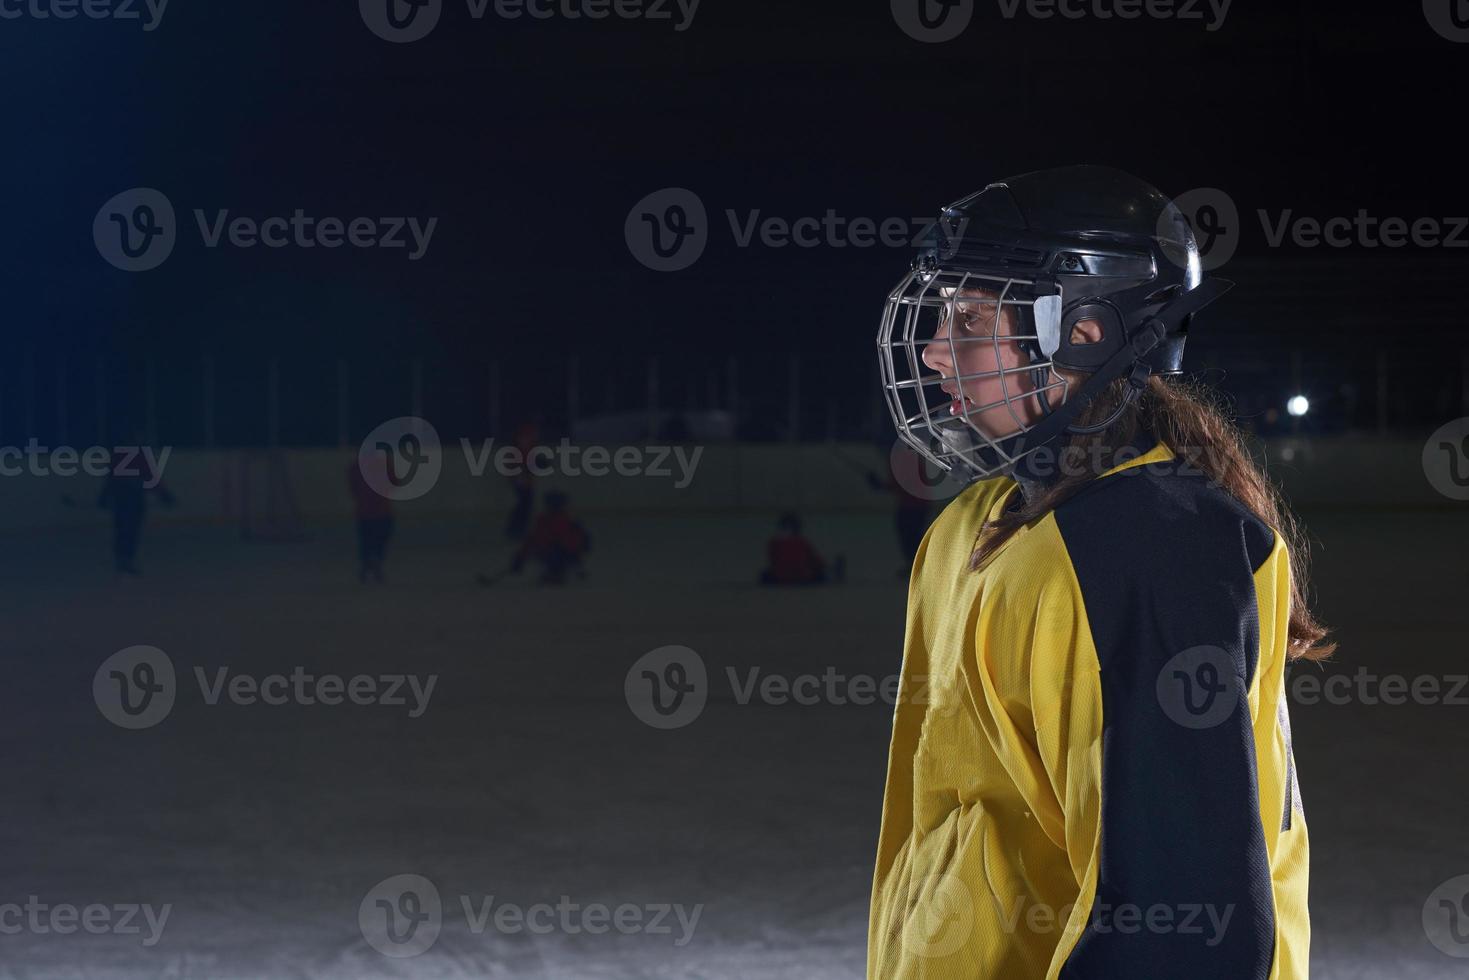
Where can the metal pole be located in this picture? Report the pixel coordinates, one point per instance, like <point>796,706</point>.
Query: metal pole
<point>734,388</point>
<point>417,371</point>
<point>273,404</point>
<point>344,404</point>
<point>1382,392</point>
<point>494,398</point>
<point>1295,369</point>
<point>573,393</point>
<point>795,396</point>
<point>61,399</point>
<point>1464,385</point>
<point>652,397</point>
<point>28,409</point>
<point>100,395</point>
<point>150,412</point>
<point>208,395</point>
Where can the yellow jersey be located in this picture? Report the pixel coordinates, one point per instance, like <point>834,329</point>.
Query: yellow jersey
<point>1091,771</point>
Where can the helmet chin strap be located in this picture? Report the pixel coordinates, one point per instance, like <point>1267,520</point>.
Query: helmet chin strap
<point>1128,360</point>
<point>1136,382</point>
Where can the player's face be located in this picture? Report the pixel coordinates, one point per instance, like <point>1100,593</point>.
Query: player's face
<point>973,326</point>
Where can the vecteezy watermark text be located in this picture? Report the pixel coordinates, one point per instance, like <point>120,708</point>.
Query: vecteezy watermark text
<point>669,687</point>
<point>137,687</point>
<point>569,460</point>
<point>149,13</point>
<point>1363,686</point>
<point>124,461</point>
<point>1217,224</point>
<point>669,229</point>
<point>937,21</point>
<point>402,459</point>
<point>402,917</point>
<point>40,918</point>
<point>405,21</point>
<point>137,230</point>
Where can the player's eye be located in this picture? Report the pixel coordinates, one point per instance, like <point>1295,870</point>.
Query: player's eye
<point>975,322</point>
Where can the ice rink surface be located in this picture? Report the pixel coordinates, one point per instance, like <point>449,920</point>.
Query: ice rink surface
<point>528,778</point>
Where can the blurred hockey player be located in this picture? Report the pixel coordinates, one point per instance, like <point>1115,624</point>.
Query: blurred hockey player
<point>130,478</point>
<point>556,541</point>
<point>374,514</point>
<point>793,560</point>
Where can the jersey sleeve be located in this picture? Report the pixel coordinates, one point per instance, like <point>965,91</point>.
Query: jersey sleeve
<point>1145,656</point>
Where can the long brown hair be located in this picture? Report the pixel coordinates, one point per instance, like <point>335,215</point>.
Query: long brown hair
<point>1184,417</point>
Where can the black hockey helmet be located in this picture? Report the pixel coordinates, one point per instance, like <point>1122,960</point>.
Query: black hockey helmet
<point>1059,247</point>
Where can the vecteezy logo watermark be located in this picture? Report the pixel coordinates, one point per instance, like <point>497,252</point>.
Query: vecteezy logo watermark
<point>405,21</point>
<point>667,688</point>
<point>1365,687</point>
<point>403,916</point>
<point>668,230</point>
<point>148,12</point>
<point>933,21</point>
<point>1450,18</point>
<point>122,461</point>
<point>401,21</point>
<point>919,478</point>
<point>137,230</point>
<point>1446,918</point>
<point>1446,460</point>
<point>1200,687</point>
<point>401,459</point>
<point>1203,919</point>
<point>936,21</point>
<point>942,919</point>
<point>40,918</point>
<point>1216,222</point>
<point>136,688</point>
<point>1210,12</point>
<point>565,459</point>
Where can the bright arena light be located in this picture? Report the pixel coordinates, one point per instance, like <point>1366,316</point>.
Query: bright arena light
<point>1298,406</point>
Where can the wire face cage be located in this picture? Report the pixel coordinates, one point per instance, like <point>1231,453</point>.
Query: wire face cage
<point>966,365</point>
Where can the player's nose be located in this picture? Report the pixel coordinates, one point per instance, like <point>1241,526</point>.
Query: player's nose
<point>936,354</point>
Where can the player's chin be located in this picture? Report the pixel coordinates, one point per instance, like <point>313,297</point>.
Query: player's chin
<point>990,425</point>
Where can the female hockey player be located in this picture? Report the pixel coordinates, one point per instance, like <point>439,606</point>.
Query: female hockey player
<point>1091,771</point>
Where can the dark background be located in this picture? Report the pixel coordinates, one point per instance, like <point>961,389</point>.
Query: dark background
<point>530,142</point>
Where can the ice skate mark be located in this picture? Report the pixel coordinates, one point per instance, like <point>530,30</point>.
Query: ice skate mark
<point>1207,675</point>
<point>676,677</point>
<point>142,680</point>
<point>401,923</point>
<point>1458,455</point>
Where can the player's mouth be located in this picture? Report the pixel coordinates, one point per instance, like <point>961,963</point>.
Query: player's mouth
<point>959,404</point>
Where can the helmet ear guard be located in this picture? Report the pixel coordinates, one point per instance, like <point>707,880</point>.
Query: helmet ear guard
<point>1087,357</point>
<point>1130,357</point>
